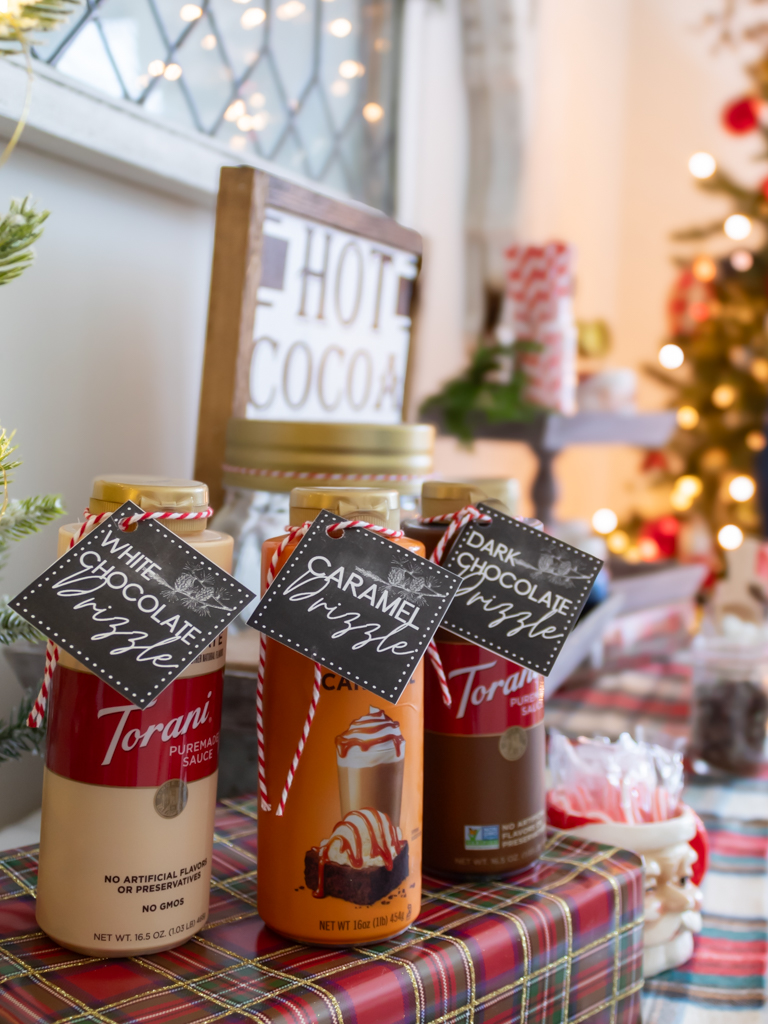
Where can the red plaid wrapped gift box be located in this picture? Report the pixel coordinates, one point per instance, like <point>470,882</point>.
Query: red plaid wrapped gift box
<point>561,942</point>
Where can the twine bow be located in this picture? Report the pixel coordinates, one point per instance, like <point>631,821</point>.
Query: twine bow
<point>37,714</point>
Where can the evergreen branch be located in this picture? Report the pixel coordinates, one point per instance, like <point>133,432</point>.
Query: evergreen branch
<point>7,448</point>
<point>662,376</point>
<point>24,517</point>
<point>697,234</point>
<point>16,737</point>
<point>13,627</point>
<point>19,230</point>
<point>723,182</point>
<point>22,17</point>
<point>473,392</point>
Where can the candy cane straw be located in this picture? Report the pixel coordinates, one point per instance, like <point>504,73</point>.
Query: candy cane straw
<point>37,714</point>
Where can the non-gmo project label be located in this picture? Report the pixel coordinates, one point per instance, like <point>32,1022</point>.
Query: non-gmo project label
<point>481,837</point>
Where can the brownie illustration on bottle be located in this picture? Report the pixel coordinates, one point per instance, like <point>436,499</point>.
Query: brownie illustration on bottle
<point>365,857</point>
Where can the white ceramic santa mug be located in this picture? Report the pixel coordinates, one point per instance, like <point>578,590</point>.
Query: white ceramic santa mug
<point>675,853</point>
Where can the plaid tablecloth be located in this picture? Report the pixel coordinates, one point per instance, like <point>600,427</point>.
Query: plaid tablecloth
<point>725,982</point>
<point>561,943</point>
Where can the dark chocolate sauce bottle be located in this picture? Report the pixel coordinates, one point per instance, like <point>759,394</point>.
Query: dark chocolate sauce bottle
<point>484,757</point>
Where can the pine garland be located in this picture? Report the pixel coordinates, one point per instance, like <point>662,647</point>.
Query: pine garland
<point>24,517</point>
<point>19,230</point>
<point>16,737</point>
<point>21,17</point>
<point>476,391</point>
<point>19,519</point>
<point>13,627</point>
<point>7,448</point>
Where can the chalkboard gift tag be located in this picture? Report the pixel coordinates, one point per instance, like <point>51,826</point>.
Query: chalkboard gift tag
<point>136,608</point>
<point>521,590</point>
<point>357,604</point>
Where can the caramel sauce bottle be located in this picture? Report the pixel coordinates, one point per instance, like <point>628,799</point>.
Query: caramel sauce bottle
<point>342,865</point>
<point>129,795</point>
<point>484,757</point>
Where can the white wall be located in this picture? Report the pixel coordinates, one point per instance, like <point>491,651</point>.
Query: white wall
<point>101,346</point>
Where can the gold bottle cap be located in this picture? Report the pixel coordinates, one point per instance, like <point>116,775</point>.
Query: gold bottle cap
<point>506,491</point>
<point>373,504</point>
<point>439,497</point>
<point>401,450</point>
<point>153,494</point>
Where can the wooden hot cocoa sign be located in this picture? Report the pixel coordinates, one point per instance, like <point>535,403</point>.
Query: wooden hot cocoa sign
<point>310,312</point>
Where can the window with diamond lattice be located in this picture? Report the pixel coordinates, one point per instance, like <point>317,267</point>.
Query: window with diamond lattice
<point>309,84</point>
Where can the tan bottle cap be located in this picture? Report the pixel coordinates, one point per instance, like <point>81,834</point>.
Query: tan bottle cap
<point>258,447</point>
<point>373,504</point>
<point>153,494</point>
<point>504,490</point>
<point>438,497</point>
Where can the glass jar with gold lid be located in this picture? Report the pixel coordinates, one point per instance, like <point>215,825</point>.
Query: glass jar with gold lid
<point>265,459</point>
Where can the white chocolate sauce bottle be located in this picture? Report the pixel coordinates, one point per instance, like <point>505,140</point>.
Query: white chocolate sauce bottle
<point>129,795</point>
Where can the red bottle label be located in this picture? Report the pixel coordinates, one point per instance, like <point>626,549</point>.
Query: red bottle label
<point>96,735</point>
<point>489,694</point>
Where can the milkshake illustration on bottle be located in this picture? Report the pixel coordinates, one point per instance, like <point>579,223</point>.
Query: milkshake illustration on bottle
<point>365,857</point>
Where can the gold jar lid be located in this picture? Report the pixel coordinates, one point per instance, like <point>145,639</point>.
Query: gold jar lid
<point>153,494</point>
<point>439,497</point>
<point>259,451</point>
<point>373,504</point>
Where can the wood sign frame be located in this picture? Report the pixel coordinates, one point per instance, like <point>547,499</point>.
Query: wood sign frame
<point>245,197</point>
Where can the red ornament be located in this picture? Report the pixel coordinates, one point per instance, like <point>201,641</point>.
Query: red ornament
<point>689,303</point>
<point>741,115</point>
<point>658,538</point>
<point>654,460</point>
<point>764,188</point>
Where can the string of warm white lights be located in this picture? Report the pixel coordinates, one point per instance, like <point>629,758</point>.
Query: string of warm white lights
<point>251,18</point>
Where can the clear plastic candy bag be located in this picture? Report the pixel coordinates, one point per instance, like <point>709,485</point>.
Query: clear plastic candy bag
<point>594,780</point>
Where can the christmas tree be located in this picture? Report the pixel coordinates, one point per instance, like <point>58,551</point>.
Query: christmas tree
<point>19,229</point>
<point>715,361</point>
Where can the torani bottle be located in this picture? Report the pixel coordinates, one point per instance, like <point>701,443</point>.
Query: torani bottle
<point>129,795</point>
<point>484,787</point>
<point>342,866</point>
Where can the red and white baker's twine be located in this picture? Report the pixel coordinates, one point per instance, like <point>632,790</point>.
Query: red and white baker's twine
<point>294,533</point>
<point>292,474</point>
<point>37,714</point>
<point>455,521</point>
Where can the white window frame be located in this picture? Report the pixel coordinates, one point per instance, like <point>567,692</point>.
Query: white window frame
<point>74,122</point>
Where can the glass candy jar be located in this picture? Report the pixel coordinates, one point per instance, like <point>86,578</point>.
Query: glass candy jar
<point>265,459</point>
<point>729,708</point>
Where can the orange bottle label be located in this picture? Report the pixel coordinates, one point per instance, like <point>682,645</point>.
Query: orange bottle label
<point>342,865</point>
